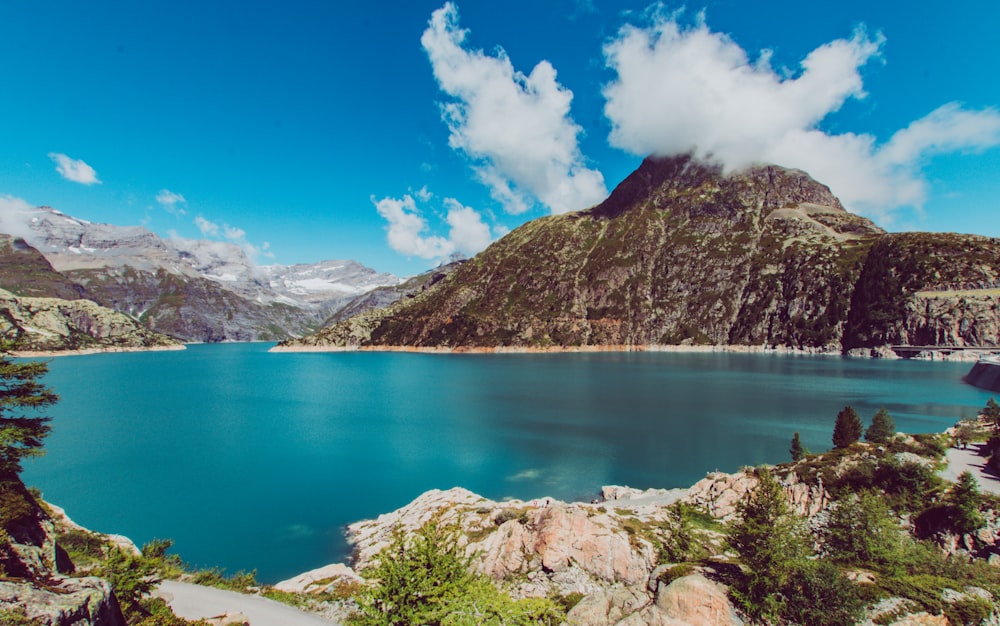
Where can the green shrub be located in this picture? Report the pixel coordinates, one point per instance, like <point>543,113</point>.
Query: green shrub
<point>82,546</point>
<point>969,611</point>
<point>131,577</point>
<point>507,515</point>
<point>818,594</point>
<point>424,578</point>
<point>862,530</point>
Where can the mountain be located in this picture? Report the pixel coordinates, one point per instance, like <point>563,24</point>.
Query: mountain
<point>195,290</point>
<point>684,253</point>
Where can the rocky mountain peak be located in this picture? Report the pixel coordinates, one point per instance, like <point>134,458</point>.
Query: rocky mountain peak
<point>694,187</point>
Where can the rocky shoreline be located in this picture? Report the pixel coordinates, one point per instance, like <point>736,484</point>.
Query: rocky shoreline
<point>31,354</point>
<point>873,353</point>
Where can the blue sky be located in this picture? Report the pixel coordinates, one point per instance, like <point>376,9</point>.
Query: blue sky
<point>397,133</point>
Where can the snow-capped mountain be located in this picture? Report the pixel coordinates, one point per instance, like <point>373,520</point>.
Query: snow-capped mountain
<point>175,282</point>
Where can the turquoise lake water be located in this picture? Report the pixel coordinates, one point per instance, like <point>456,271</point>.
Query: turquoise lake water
<point>251,460</point>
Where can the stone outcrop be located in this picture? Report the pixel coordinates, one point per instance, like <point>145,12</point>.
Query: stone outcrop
<point>35,569</point>
<point>51,324</point>
<point>64,601</point>
<point>605,550</point>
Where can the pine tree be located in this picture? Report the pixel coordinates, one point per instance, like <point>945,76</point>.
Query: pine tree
<point>847,429</point>
<point>771,542</point>
<point>22,429</point>
<point>882,427</point>
<point>964,497</point>
<point>992,413</point>
<point>797,451</point>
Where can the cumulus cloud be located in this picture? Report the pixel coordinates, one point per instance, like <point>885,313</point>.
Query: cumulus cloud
<point>515,127</point>
<point>74,169</point>
<point>171,202</point>
<point>407,231</point>
<point>688,89</point>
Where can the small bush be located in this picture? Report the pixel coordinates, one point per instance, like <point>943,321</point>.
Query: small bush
<point>507,515</point>
<point>969,611</point>
<point>83,547</point>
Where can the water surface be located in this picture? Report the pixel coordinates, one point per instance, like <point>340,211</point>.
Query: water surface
<point>251,460</point>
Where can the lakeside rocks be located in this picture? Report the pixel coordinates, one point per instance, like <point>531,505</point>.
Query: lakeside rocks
<point>606,550</point>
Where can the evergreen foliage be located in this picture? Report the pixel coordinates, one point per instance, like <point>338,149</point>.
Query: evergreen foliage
<point>22,429</point>
<point>796,449</point>
<point>847,429</point>
<point>861,530</point>
<point>771,542</point>
<point>965,499</point>
<point>425,579</point>
<point>992,413</point>
<point>818,594</point>
<point>882,428</point>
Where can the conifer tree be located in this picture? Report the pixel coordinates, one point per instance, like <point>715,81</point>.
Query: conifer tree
<point>796,450</point>
<point>847,429</point>
<point>992,413</point>
<point>22,429</point>
<point>882,428</point>
<point>771,542</point>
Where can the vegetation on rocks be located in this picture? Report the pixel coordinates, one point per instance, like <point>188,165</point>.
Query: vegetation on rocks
<point>682,254</point>
<point>425,578</point>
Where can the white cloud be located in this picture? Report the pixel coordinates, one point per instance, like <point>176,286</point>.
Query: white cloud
<point>74,169</point>
<point>469,233</point>
<point>407,229</point>
<point>171,202</point>
<point>207,228</point>
<point>13,216</point>
<point>517,128</point>
<point>234,235</point>
<point>688,89</point>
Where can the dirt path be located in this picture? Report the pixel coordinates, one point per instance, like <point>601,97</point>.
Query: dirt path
<point>969,460</point>
<point>197,602</point>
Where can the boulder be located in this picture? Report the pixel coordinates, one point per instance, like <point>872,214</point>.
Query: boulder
<point>64,601</point>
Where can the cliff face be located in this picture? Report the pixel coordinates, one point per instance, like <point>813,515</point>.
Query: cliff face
<point>52,324</point>
<point>927,289</point>
<point>683,254</point>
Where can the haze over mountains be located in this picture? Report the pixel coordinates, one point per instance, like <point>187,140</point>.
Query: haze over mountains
<point>194,290</point>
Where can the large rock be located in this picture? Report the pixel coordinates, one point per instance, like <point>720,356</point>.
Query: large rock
<point>64,601</point>
<point>545,546</point>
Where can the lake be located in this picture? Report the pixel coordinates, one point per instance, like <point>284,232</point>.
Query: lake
<point>252,460</point>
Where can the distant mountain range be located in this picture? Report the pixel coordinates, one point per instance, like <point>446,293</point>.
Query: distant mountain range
<point>683,253</point>
<point>193,290</point>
